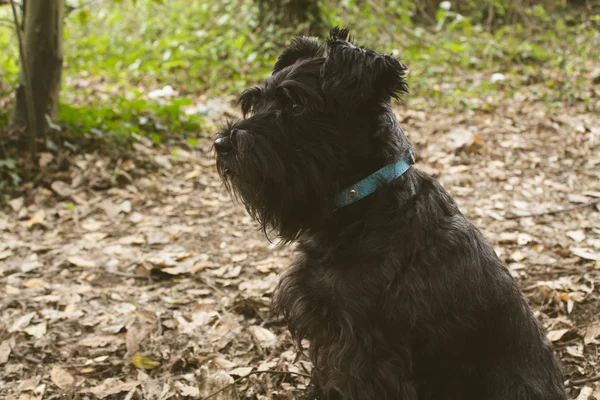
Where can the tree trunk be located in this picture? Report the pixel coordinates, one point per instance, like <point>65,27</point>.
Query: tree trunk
<point>43,51</point>
<point>301,15</point>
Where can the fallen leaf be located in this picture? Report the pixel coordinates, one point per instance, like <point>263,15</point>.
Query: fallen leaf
<point>5,348</point>
<point>95,237</point>
<point>239,257</point>
<point>577,236</point>
<point>585,394</point>
<point>508,237</point>
<point>61,188</point>
<point>28,385</point>
<point>134,239</point>
<point>37,219</point>
<point>100,341</point>
<point>44,159</point>
<point>223,363</point>
<point>21,322</point>
<point>555,336</point>
<point>31,264</point>
<point>92,225</point>
<point>33,283</point>
<point>186,390</point>
<point>262,335</point>
<point>577,198</point>
<point>591,333</point>
<point>37,393</point>
<point>144,362</point>
<point>112,386</point>
<point>524,238</point>
<point>241,371</point>
<point>586,254</point>
<point>213,381</point>
<point>111,209</point>
<point>126,207</point>
<point>37,331</point>
<point>80,262</point>
<point>5,254</point>
<point>17,203</point>
<point>136,332</point>
<point>136,217</point>
<point>61,378</point>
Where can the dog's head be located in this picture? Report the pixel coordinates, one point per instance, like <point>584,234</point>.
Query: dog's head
<point>320,122</point>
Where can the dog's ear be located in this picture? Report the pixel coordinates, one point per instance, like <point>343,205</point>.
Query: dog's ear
<point>356,76</point>
<point>300,48</point>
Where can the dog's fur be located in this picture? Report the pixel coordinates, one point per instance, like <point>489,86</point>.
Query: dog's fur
<point>399,295</point>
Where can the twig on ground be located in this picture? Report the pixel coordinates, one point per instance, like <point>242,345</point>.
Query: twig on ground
<point>581,381</point>
<point>254,373</point>
<point>559,211</point>
<point>127,274</point>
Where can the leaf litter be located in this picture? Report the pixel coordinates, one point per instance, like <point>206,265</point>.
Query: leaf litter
<point>157,286</point>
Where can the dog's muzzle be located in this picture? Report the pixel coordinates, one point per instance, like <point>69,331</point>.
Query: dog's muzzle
<point>223,145</point>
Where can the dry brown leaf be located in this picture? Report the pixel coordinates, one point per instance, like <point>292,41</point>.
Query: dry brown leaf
<point>92,225</point>
<point>577,236</point>
<point>100,340</point>
<point>585,394</point>
<point>81,262</point>
<point>27,385</point>
<point>133,239</point>
<point>555,336</point>
<point>591,333</point>
<point>223,363</point>
<point>37,219</point>
<point>112,386</point>
<point>33,283</point>
<point>587,254</point>
<point>210,382</point>
<point>37,331</point>
<point>187,390</point>
<point>5,254</point>
<point>36,394</point>
<point>5,348</point>
<point>17,203</point>
<point>136,332</point>
<point>22,322</point>
<point>61,378</point>
<point>508,237</point>
<point>61,188</point>
<point>95,237</point>
<point>241,371</point>
<point>262,335</point>
<point>44,159</point>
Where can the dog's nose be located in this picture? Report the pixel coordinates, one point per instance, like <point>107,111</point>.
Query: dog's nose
<point>223,145</point>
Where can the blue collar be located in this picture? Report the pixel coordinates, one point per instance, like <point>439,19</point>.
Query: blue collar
<point>367,186</point>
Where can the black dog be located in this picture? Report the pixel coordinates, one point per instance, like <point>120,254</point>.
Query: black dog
<point>399,295</point>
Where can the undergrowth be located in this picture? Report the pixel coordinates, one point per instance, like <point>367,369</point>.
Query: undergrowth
<point>116,52</point>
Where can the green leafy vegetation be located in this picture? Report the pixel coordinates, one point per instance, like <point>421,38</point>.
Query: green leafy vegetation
<point>116,52</point>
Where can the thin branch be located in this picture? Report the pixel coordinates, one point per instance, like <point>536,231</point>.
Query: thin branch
<point>33,127</point>
<point>254,373</point>
<point>490,21</point>
<point>582,381</point>
<point>559,211</point>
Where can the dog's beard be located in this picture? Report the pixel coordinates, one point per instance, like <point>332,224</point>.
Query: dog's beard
<point>254,174</point>
<point>286,193</point>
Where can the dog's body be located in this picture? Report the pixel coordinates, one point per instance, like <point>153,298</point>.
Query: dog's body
<point>399,295</point>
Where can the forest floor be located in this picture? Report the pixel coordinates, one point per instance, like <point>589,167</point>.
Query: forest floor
<point>138,278</point>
